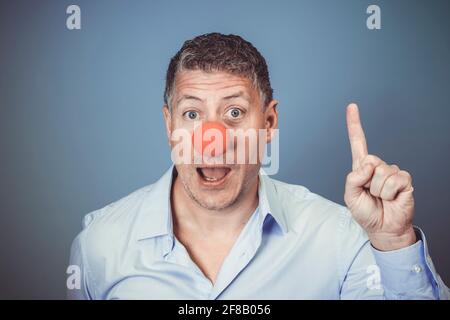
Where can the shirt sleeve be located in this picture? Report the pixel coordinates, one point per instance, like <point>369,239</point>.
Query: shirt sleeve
<point>367,273</point>
<point>409,273</point>
<point>77,286</point>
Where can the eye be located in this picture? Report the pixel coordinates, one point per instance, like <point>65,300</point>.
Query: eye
<point>235,113</point>
<point>191,115</point>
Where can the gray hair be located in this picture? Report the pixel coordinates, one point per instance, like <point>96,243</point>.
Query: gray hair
<point>214,52</point>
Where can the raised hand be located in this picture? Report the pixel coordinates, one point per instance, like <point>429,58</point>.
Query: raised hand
<point>379,195</point>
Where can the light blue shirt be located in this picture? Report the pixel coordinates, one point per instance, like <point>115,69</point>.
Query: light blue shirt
<point>296,245</point>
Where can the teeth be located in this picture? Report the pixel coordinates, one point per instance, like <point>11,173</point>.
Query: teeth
<point>213,174</point>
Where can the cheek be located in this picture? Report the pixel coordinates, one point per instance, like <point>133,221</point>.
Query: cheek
<point>189,177</point>
<point>180,131</point>
<point>256,120</point>
<point>180,123</point>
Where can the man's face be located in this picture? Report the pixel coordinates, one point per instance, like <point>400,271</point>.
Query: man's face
<point>233,102</point>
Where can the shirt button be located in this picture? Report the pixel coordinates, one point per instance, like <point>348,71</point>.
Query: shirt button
<point>417,268</point>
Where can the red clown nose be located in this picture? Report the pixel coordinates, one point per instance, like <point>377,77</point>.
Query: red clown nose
<point>212,135</point>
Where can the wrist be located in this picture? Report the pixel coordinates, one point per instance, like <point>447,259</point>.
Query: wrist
<point>389,242</point>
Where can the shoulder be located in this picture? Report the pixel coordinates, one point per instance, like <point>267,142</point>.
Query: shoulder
<point>299,203</point>
<point>306,211</point>
<point>323,225</point>
<point>116,215</point>
<point>107,230</point>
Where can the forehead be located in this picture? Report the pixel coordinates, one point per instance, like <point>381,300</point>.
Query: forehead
<point>217,83</point>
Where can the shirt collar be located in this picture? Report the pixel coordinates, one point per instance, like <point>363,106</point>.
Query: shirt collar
<point>269,202</point>
<point>154,216</point>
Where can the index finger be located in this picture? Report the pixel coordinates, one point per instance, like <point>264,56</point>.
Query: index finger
<point>356,135</point>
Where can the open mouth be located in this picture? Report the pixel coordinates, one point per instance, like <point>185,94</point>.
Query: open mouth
<point>213,174</point>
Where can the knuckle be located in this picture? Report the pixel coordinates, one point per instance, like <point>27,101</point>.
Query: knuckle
<point>382,170</point>
<point>395,167</point>
<point>391,183</point>
<point>373,158</point>
<point>405,174</point>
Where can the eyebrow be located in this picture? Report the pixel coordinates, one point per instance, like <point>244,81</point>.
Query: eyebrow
<point>239,94</point>
<point>188,97</point>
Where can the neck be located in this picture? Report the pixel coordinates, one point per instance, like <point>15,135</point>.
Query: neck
<point>189,215</point>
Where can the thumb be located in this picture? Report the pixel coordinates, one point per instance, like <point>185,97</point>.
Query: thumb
<point>356,180</point>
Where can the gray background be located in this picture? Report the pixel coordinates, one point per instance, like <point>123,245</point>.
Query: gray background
<point>81,126</point>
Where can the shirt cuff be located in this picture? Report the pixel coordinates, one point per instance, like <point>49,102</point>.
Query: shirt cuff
<point>404,270</point>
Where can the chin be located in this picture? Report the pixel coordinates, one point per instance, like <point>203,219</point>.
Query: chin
<point>213,187</point>
<point>219,193</point>
<point>215,200</point>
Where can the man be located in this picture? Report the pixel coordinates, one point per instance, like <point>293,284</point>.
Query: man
<point>228,231</point>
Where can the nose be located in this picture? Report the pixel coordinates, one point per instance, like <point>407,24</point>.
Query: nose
<point>211,137</point>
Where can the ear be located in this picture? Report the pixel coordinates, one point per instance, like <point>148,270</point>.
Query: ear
<point>271,119</point>
<point>168,121</point>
